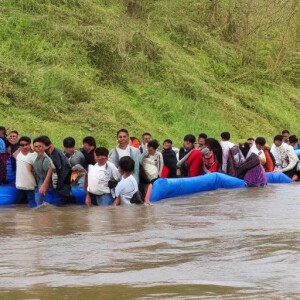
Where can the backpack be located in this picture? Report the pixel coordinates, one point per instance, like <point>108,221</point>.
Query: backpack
<point>137,198</point>
<point>235,159</point>
<point>251,162</point>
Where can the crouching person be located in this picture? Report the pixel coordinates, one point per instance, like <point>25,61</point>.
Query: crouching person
<point>252,171</point>
<point>100,180</point>
<point>127,191</point>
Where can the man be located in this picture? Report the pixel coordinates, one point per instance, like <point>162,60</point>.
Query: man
<point>294,142</point>
<point>13,141</point>
<point>286,134</point>
<point>226,146</point>
<point>170,160</point>
<point>250,141</point>
<point>269,165</point>
<point>25,181</point>
<point>123,149</point>
<point>285,157</point>
<point>88,149</point>
<point>146,138</point>
<point>190,159</point>
<point>63,169</point>
<point>257,149</point>
<point>202,141</point>
<point>76,160</point>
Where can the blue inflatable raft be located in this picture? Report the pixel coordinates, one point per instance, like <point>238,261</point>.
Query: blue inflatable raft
<point>168,188</point>
<point>9,196</point>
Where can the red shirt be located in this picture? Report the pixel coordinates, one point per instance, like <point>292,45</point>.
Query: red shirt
<point>195,163</point>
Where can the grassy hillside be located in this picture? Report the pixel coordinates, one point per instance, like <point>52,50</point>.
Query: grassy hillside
<point>170,67</point>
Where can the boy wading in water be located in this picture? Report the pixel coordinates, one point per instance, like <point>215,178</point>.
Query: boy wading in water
<point>128,186</point>
<point>98,178</point>
<point>43,168</point>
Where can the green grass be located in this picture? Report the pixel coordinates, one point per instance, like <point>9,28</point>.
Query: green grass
<point>91,67</point>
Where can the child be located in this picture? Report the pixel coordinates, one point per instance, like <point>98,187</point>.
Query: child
<point>128,186</point>
<point>98,178</point>
<point>25,181</point>
<point>43,169</point>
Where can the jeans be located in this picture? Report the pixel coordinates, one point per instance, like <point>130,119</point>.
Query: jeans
<point>52,197</point>
<point>102,200</point>
<point>29,196</point>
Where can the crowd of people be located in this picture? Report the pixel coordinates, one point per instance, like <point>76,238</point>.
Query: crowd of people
<point>125,174</point>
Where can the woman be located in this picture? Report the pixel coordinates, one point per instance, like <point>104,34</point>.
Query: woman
<point>152,162</point>
<point>210,162</point>
<point>214,146</point>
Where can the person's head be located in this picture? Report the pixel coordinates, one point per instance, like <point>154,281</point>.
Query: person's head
<point>126,165</point>
<point>293,140</point>
<point>202,140</point>
<point>188,141</point>
<point>214,145</point>
<point>25,144</point>
<point>134,142</point>
<point>89,144</point>
<point>260,142</point>
<point>39,145</point>
<point>207,153</point>
<point>225,136</point>
<point>13,137</point>
<point>69,146</point>
<point>46,140</point>
<point>2,132</point>
<point>167,144</point>
<point>123,138</point>
<point>278,140</point>
<point>152,146</point>
<point>250,141</point>
<point>146,138</point>
<point>286,134</point>
<point>101,155</point>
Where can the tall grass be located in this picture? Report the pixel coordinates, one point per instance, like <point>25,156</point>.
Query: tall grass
<point>87,67</point>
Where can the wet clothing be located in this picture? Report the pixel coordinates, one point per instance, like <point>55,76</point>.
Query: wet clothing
<point>63,170</point>
<point>25,179</point>
<point>126,188</point>
<point>41,166</point>
<point>256,177</point>
<point>99,176</point>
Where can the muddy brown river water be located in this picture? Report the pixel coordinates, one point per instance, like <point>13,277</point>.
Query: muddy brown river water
<point>226,244</point>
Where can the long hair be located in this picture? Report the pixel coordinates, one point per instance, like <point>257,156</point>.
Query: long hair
<point>215,146</point>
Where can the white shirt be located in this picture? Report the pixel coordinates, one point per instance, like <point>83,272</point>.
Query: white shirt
<point>126,188</point>
<point>285,156</point>
<point>98,177</point>
<point>123,152</point>
<point>260,153</point>
<point>226,146</point>
<point>25,179</point>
